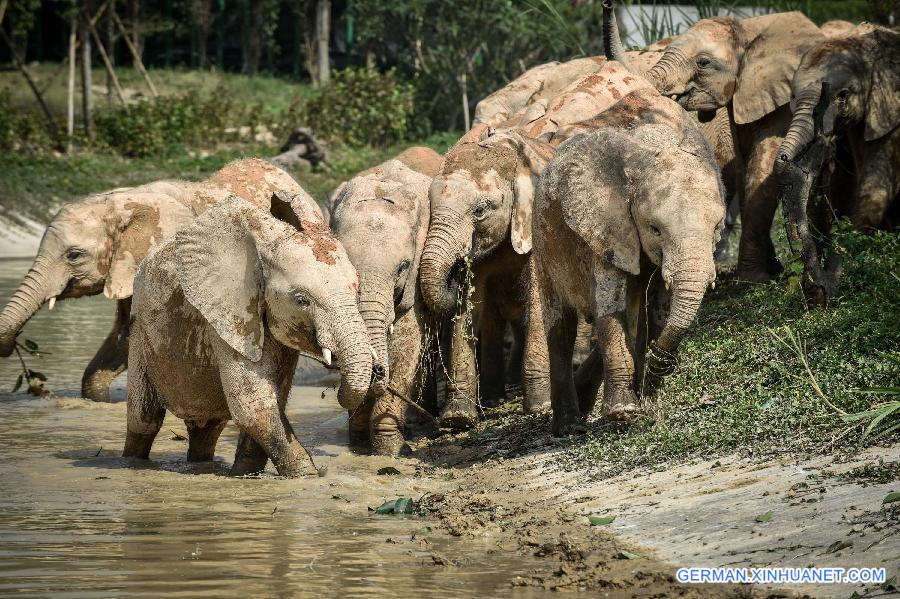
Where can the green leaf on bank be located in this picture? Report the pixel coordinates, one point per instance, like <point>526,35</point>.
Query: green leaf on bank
<point>30,345</point>
<point>18,384</point>
<point>401,505</point>
<point>765,517</point>
<point>601,520</point>
<point>629,555</point>
<point>388,471</point>
<point>891,497</point>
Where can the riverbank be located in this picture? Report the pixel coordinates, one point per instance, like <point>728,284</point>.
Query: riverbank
<point>732,511</point>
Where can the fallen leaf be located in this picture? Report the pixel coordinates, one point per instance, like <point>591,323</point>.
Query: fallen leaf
<point>601,520</point>
<point>891,497</point>
<point>623,554</point>
<point>765,517</point>
<point>838,545</point>
<point>388,471</point>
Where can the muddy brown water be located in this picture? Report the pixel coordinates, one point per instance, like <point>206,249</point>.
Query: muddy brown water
<point>77,520</point>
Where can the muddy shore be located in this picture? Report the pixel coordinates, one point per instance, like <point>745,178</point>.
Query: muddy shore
<point>523,495</point>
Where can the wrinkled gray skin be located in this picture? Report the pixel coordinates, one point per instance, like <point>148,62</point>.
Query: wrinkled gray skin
<point>222,310</point>
<point>481,212</point>
<point>858,116</point>
<point>94,245</point>
<point>381,218</point>
<point>614,205</point>
<point>745,65</point>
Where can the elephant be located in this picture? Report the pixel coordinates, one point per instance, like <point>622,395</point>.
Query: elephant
<point>220,313</point>
<point>745,65</point>
<point>386,207</point>
<point>93,245</point>
<point>846,101</point>
<point>635,195</point>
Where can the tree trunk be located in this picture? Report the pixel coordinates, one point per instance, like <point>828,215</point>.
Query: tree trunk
<point>463,85</point>
<point>137,40</point>
<point>110,42</point>
<point>70,89</point>
<point>203,19</point>
<point>87,101</point>
<point>323,34</point>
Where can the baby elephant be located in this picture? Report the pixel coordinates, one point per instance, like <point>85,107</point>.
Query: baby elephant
<point>613,207</point>
<point>221,312</point>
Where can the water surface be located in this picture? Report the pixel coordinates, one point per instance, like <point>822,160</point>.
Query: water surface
<point>77,520</point>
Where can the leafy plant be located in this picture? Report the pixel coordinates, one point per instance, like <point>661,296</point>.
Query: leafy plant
<point>360,107</point>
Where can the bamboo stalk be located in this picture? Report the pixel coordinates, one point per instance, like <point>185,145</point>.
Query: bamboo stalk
<point>106,63</point>
<point>135,55</point>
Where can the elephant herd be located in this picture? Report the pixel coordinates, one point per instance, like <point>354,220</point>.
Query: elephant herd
<point>580,217</point>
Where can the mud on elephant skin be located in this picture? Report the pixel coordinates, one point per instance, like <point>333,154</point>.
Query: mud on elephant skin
<point>381,217</point>
<point>620,210</point>
<point>843,139</point>
<point>93,245</point>
<point>221,312</point>
<point>745,65</point>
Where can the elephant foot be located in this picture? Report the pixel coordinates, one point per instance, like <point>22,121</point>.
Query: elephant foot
<point>459,412</point>
<point>390,445</point>
<point>533,405</point>
<point>249,458</point>
<point>621,405</point>
<point>564,424</point>
<point>358,439</point>
<point>758,273</point>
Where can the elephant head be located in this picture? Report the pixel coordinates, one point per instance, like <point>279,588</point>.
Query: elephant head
<point>860,75</point>
<point>251,274</point>
<point>481,198</point>
<point>93,246</point>
<point>650,190</point>
<point>381,218</point>
<point>747,63</point>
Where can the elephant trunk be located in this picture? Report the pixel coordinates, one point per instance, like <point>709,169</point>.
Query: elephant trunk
<point>34,289</point>
<point>448,242</point>
<point>802,130</point>
<point>376,306</point>
<point>664,75</point>
<point>689,280</point>
<point>354,354</point>
<point>612,41</point>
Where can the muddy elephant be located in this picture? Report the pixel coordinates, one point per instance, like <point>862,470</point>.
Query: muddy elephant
<point>222,310</point>
<point>381,218</point>
<point>843,138</point>
<point>745,65</point>
<point>633,204</point>
<point>94,245</point>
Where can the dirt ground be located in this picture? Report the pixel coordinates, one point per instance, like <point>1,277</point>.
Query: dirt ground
<point>520,492</point>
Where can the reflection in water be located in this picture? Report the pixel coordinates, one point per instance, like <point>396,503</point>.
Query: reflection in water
<point>78,520</point>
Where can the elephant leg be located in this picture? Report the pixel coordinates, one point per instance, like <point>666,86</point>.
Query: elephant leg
<point>537,392</point>
<point>756,255</point>
<point>358,426</point>
<point>561,333</point>
<point>145,412</point>
<point>111,359</point>
<point>249,457</point>
<point>202,439</point>
<point>460,409</point>
<point>619,398</point>
<point>873,196</point>
<point>388,417</point>
<point>588,379</point>
<point>493,367</point>
<point>516,352</point>
<point>256,393</point>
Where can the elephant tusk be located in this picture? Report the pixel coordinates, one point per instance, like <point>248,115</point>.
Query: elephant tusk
<point>391,329</point>
<point>326,355</point>
<point>374,354</point>
<point>712,285</point>
<point>52,303</point>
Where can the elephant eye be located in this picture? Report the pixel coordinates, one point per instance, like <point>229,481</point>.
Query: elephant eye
<point>843,94</point>
<point>655,231</point>
<point>302,300</point>
<point>75,254</point>
<point>480,210</point>
<point>402,268</point>
<point>703,62</point>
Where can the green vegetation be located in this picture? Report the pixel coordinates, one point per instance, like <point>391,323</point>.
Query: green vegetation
<point>739,387</point>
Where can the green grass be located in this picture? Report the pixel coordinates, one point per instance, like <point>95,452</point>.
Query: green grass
<point>739,389</point>
<point>34,186</point>
<point>274,92</point>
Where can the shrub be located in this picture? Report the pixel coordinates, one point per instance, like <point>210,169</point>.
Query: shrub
<point>360,107</point>
<point>20,129</point>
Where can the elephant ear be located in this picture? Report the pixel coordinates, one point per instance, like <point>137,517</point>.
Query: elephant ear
<point>531,158</point>
<point>883,105</point>
<point>769,63</point>
<point>135,222</point>
<point>593,194</point>
<point>220,273</point>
